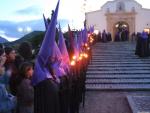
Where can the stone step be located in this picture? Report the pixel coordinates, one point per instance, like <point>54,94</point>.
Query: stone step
<point>107,50</point>
<point>99,51</point>
<point>114,48</point>
<point>114,56</point>
<point>123,45</point>
<point>127,58</point>
<point>117,72</point>
<point>117,56</point>
<point>114,66</point>
<point>118,81</point>
<point>118,65</point>
<point>114,44</point>
<point>120,60</point>
<point>118,68</point>
<point>108,54</point>
<point>123,62</point>
<point>101,55</point>
<point>118,76</point>
<point>112,87</point>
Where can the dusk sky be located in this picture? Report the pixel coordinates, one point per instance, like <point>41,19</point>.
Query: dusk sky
<point>19,17</point>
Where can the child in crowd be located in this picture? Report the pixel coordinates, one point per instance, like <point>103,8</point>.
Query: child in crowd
<point>25,92</point>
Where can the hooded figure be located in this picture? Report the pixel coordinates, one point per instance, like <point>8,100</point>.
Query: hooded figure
<point>46,91</point>
<point>64,52</point>
<point>104,36</point>
<point>145,45</point>
<point>138,44</point>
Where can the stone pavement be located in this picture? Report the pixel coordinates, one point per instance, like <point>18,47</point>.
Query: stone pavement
<point>139,104</point>
<point>110,101</point>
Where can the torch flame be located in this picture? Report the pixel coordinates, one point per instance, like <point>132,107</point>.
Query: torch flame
<point>72,63</point>
<point>85,55</point>
<point>74,57</point>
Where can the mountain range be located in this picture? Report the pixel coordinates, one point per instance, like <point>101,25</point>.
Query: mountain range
<point>3,40</point>
<point>34,37</point>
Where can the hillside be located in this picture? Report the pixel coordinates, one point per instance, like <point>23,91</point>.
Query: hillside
<point>34,37</point>
<point>3,40</point>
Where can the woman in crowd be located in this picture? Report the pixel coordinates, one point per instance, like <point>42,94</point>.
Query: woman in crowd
<point>7,101</point>
<point>11,69</point>
<point>25,92</point>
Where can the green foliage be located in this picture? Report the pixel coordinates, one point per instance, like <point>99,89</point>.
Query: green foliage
<point>36,40</point>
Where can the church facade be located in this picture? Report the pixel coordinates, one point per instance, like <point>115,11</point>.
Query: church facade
<point>127,14</point>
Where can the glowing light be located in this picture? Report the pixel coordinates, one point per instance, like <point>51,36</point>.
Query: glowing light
<point>81,55</point>
<point>88,48</point>
<point>117,25</point>
<point>74,57</point>
<point>86,44</point>
<point>85,55</point>
<point>91,38</point>
<point>80,58</point>
<point>96,32</point>
<point>147,30</point>
<point>72,63</point>
<point>91,41</point>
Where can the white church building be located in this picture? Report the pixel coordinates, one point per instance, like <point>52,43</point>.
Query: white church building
<point>126,13</point>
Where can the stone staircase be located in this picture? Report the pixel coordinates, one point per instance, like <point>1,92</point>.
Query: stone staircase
<point>114,66</point>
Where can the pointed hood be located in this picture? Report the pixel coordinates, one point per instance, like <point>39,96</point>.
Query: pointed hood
<point>91,29</point>
<point>80,42</point>
<point>41,70</point>
<point>85,36</point>
<point>71,40</point>
<point>63,48</point>
<point>76,45</point>
<point>46,22</point>
<point>57,65</point>
<point>49,38</point>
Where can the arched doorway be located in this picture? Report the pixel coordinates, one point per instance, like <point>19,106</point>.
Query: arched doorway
<point>122,18</point>
<point>121,31</point>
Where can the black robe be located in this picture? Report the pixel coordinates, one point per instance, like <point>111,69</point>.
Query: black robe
<point>144,48</point>
<point>64,94</point>
<point>46,97</point>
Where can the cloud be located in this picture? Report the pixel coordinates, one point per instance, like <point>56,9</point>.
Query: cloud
<point>3,34</point>
<point>20,29</point>
<point>31,10</point>
<point>10,29</point>
<point>13,30</point>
